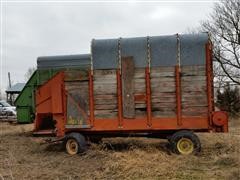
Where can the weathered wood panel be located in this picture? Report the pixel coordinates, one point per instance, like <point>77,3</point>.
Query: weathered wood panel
<point>140,90</point>
<point>128,87</point>
<point>163,90</point>
<point>194,91</point>
<point>77,102</point>
<point>193,71</point>
<point>105,93</point>
<point>76,75</point>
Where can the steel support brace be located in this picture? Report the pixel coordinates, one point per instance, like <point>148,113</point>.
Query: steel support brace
<point>178,95</point>
<point>91,98</point>
<point>119,94</point>
<point>209,75</point>
<point>148,97</point>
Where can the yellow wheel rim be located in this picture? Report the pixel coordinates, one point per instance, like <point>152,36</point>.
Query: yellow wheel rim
<point>72,146</point>
<point>185,146</point>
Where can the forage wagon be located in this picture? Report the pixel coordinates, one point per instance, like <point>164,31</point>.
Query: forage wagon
<point>157,86</point>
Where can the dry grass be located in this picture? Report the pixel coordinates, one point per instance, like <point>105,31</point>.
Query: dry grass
<point>25,157</point>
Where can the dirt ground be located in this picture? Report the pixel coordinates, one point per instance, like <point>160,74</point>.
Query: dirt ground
<point>25,157</point>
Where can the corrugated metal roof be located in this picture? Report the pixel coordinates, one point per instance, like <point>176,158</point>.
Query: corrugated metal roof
<point>16,88</point>
<point>65,61</point>
<point>163,50</point>
<point>105,53</point>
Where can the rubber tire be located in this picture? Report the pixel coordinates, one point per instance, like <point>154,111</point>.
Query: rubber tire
<point>82,145</point>
<point>185,134</point>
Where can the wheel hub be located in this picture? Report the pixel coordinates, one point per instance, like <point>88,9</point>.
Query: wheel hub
<point>72,146</point>
<point>185,146</point>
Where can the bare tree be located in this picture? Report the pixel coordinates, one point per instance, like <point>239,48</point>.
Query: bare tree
<point>29,72</point>
<point>224,27</point>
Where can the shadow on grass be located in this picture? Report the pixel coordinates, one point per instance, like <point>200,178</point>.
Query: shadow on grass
<point>121,146</point>
<point>118,146</point>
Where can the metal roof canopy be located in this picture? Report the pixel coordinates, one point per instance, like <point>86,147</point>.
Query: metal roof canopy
<point>16,88</point>
<point>163,50</point>
<point>65,61</point>
<point>105,54</point>
<point>136,47</point>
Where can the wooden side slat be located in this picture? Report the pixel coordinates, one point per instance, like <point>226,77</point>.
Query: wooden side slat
<point>105,93</point>
<point>128,87</point>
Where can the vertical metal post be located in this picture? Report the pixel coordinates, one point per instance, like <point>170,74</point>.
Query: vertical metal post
<point>91,89</point>
<point>9,80</point>
<point>119,94</point>
<point>178,84</point>
<point>91,57</point>
<point>209,75</point>
<point>149,53</point>
<point>148,85</point>
<point>9,99</point>
<point>91,99</point>
<point>119,55</point>
<point>178,95</point>
<point>148,97</point>
<point>119,85</point>
<point>178,53</point>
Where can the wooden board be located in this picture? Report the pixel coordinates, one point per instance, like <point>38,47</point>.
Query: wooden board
<point>76,75</point>
<point>140,92</point>
<point>194,91</point>
<point>105,94</point>
<point>128,87</point>
<point>163,91</point>
<point>77,102</point>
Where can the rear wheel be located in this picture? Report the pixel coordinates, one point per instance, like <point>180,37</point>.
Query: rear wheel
<point>185,142</point>
<point>75,143</point>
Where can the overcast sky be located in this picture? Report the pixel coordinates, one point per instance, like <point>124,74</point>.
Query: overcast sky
<point>30,30</point>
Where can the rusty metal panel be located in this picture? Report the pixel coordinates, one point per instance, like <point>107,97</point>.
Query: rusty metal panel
<point>56,92</point>
<point>49,96</point>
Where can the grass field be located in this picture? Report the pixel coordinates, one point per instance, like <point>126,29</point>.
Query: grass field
<point>25,157</point>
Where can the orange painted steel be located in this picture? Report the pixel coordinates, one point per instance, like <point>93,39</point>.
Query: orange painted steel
<point>139,124</point>
<point>51,100</point>
<point>148,95</point>
<point>119,94</point>
<point>178,95</point>
<point>211,114</point>
<point>91,98</point>
<point>209,75</point>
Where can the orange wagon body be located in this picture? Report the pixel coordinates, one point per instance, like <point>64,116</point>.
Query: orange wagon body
<point>53,101</point>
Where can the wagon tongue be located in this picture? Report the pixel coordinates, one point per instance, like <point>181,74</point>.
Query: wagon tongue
<point>44,132</point>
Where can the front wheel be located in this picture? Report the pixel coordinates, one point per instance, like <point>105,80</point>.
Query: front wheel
<point>185,142</point>
<point>75,143</point>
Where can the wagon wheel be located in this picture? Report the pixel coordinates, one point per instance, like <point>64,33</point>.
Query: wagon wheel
<point>75,143</point>
<point>185,142</point>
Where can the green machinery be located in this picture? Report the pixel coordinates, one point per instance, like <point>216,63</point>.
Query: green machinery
<point>47,67</point>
